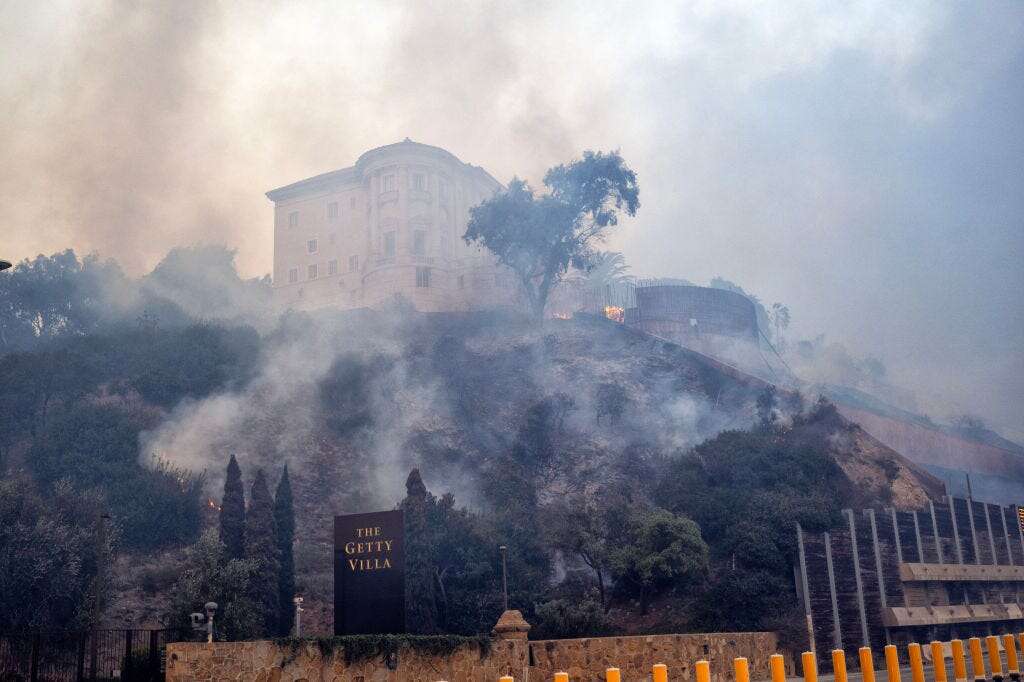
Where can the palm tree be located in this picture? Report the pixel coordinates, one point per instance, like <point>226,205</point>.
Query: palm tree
<point>606,268</point>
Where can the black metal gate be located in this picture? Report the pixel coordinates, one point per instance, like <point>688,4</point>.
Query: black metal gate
<point>131,655</point>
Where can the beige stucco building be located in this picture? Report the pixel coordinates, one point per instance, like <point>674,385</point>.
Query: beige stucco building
<point>387,228</point>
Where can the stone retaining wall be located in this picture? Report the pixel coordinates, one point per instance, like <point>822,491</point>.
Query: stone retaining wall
<point>584,659</point>
<point>587,659</point>
<point>270,662</point>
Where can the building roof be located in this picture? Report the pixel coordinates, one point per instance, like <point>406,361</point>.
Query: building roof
<point>354,173</point>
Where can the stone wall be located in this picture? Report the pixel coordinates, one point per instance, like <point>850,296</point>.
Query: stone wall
<point>269,662</point>
<point>587,659</point>
<point>583,659</point>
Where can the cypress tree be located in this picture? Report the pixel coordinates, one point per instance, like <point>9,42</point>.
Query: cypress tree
<point>261,547</point>
<point>284,519</point>
<point>232,512</point>
<point>420,606</point>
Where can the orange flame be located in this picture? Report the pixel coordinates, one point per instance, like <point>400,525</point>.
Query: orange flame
<point>614,312</point>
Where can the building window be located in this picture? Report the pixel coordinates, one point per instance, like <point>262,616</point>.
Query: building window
<point>419,243</point>
<point>332,267</point>
<point>442,189</point>
<point>332,237</point>
<point>389,244</point>
<point>293,275</point>
<point>353,263</point>
<point>311,271</point>
<point>293,219</point>
<point>462,281</point>
<point>352,203</point>
<point>419,181</point>
<point>311,246</point>
<point>332,211</point>
<point>389,183</point>
<point>423,278</point>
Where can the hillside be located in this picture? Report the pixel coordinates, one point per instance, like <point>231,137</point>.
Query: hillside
<point>512,418</point>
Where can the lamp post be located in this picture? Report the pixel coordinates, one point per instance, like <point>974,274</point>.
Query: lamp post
<point>504,576</point>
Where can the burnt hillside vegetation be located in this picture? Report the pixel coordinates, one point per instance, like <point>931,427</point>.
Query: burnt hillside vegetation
<point>639,486</point>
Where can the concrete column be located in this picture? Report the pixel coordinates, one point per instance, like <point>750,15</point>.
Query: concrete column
<point>991,537</point>
<point>974,531</point>
<point>837,632</point>
<point>956,531</point>
<point>878,556</point>
<point>1006,535</point>
<point>865,639</point>
<point>935,532</point>
<point>896,535</point>
<point>917,536</point>
<point>803,581</point>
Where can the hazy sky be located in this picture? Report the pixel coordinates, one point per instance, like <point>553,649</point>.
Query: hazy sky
<point>862,162</point>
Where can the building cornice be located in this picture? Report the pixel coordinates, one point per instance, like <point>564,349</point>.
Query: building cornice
<point>333,179</point>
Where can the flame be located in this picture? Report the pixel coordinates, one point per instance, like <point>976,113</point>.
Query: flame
<point>614,312</point>
<point>212,505</point>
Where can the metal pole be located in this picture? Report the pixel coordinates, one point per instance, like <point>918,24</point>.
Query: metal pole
<point>504,576</point>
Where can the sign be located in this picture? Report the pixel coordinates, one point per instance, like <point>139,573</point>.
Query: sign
<point>369,573</point>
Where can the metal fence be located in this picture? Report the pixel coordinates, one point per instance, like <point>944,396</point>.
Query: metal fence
<point>132,655</point>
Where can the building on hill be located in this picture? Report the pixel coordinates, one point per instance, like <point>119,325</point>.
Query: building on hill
<point>389,228</point>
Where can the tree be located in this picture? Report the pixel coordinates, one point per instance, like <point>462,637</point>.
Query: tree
<point>420,606</point>
<point>53,296</point>
<point>232,512</point>
<point>767,404</point>
<point>606,268</point>
<point>211,575</point>
<point>540,237</point>
<point>48,556</point>
<point>583,529</point>
<point>261,550</point>
<point>284,523</point>
<point>779,316</point>
<point>665,550</point>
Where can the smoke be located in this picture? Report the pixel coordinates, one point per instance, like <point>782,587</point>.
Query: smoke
<point>858,162</point>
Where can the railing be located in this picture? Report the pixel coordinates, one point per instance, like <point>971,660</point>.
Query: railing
<point>132,655</point>
<point>995,646</point>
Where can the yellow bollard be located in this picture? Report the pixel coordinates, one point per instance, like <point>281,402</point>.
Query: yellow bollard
<point>839,665</point>
<point>959,660</point>
<point>702,671</point>
<point>892,663</point>
<point>777,665</point>
<point>995,660</point>
<point>867,664</point>
<point>939,661</point>
<point>977,660</point>
<point>916,662</point>
<point>561,677</point>
<point>612,675</point>
<point>1012,662</point>
<point>659,673</point>
<point>810,665</point>
<point>742,669</point>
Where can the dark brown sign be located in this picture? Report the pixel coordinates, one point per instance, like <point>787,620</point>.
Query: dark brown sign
<point>369,573</point>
